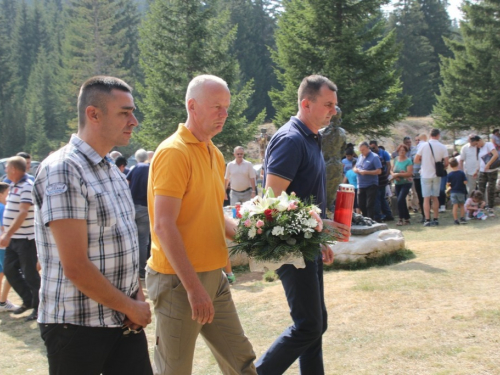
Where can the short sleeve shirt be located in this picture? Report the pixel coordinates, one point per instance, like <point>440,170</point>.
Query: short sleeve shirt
<point>486,149</point>
<point>240,175</point>
<point>456,180</point>
<point>77,183</point>
<point>369,163</point>
<point>352,177</point>
<point>184,168</point>
<point>470,158</point>
<point>428,166</point>
<point>402,166</point>
<point>294,153</point>
<point>20,192</point>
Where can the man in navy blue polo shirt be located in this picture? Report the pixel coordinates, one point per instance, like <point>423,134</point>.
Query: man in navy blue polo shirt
<point>382,209</point>
<point>294,162</point>
<point>367,168</point>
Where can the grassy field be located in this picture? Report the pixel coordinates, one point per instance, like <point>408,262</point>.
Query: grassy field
<point>438,313</point>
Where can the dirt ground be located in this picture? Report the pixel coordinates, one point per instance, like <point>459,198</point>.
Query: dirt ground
<point>436,314</point>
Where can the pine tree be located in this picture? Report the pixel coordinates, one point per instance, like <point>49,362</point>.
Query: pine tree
<point>96,44</point>
<point>332,39</point>
<point>180,40</point>
<point>251,47</point>
<point>419,70</point>
<point>472,76</point>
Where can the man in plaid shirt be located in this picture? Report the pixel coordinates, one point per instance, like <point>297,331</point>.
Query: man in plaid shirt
<point>92,309</point>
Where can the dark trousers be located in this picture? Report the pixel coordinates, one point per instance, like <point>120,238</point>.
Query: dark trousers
<point>418,190</point>
<point>401,193</point>
<point>79,350</point>
<point>382,208</point>
<point>367,198</point>
<point>303,340</point>
<point>20,270</point>
<point>488,179</point>
<point>442,191</point>
<point>142,222</point>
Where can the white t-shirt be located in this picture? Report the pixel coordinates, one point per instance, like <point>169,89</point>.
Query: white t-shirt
<point>240,175</point>
<point>428,166</point>
<point>486,149</point>
<point>470,159</point>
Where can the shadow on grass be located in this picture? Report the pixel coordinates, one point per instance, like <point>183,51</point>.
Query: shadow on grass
<point>417,266</point>
<point>26,334</point>
<point>382,261</point>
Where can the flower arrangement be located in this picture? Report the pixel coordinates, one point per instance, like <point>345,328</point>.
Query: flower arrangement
<point>272,227</point>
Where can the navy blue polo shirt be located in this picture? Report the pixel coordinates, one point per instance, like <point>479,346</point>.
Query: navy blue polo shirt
<point>369,163</point>
<point>294,153</point>
<point>138,178</point>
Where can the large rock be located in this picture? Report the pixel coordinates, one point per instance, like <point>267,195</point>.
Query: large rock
<point>363,230</point>
<point>374,245</point>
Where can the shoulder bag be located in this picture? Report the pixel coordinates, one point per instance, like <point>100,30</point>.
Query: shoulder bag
<point>439,165</point>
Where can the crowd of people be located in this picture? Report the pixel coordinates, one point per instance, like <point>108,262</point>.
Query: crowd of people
<point>424,178</point>
<point>96,230</point>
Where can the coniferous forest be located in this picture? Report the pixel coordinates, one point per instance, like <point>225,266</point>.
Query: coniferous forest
<point>412,60</point>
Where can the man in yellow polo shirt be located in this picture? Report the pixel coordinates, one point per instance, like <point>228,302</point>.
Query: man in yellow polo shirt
<point>184,276</point>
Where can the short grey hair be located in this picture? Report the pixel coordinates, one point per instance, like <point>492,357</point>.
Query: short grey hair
<point>141,155</point>
<point>238,148</point>
<point>114,154</point>
<point>363,144</point>
<point>194,87</point>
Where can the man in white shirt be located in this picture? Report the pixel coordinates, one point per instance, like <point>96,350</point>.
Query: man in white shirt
<point>241,175</point>
<point>487,176</point>
<point>469,162</point>
<point>427,156</point>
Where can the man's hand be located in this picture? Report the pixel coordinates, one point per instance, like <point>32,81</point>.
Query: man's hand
<point>327,254</point>
<point>139,314</point>
<point>4,240</point>
<point>230,227</point>
<point>342,229</point>
<point>139,297</point>
<point>201,305</point>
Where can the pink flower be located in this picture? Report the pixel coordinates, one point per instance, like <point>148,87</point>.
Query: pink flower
<point>292,206</point>
<point>247,223</point>
<point>259,231</point>
<point>314,215</point>
<point>259,224</point>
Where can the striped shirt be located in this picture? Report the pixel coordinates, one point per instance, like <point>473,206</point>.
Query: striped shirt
<point>76,183</point>
<point>20,192</point>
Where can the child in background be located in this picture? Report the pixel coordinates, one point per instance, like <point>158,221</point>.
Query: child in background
<point>474,206</point>
<point>5,304</point>
<point>352,178</point>
<point>458,183</point>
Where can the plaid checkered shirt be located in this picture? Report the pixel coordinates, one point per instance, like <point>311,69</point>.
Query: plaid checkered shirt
<point>76,183</point>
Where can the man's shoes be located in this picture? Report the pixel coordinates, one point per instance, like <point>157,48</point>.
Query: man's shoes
<point>21,309</point>
<point>491,212</point>
<point>427,223</point>
<point>442,208</point>
<point>33,316</point>
<point>389,218</point>
<point>434,223</point>
<point>456,222</point>
<point>463,220</point>
<point>8,306</point>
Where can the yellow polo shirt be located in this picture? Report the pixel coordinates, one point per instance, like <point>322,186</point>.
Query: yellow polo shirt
<point>183,168</point>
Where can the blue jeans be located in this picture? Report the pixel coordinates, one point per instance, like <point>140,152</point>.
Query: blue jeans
<point>143,229</point>
<point>382,208</point>
<point>303,340</point>
<point>402,191</point>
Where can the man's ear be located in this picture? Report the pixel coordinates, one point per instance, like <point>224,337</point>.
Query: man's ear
<point>304,104</point>
<point>92,114</point>
<point>191,104</point>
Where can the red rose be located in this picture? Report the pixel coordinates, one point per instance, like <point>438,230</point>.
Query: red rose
<point>268,214</point>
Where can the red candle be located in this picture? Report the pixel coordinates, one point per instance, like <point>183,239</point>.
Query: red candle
<point>343,207</point>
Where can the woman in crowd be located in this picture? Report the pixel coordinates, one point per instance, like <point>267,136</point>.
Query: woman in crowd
<point>402,172</point>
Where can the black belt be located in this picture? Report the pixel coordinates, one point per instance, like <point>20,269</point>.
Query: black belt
<point>243,191</point>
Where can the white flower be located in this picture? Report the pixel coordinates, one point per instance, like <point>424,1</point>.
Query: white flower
<point>308,235</point>
<point>252,232</point>
<point>278,231</point>
<point>310,222</point>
